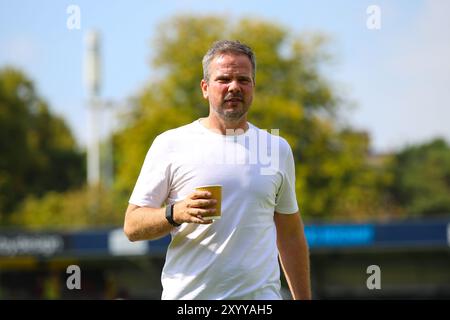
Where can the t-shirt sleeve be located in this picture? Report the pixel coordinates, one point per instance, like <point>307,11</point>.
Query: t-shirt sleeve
<point>286,200</point>
<point>153,184</point>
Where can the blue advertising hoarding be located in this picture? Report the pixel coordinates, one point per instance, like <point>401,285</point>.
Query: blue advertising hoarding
<point>114,242</point>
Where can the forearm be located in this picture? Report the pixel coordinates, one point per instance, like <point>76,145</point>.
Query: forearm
<point>143,223</point>
<point>294,257</point>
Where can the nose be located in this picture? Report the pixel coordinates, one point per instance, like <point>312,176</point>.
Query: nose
<point>234,86</point>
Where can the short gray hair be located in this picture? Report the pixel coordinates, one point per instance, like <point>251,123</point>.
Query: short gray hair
<point>227,46</point>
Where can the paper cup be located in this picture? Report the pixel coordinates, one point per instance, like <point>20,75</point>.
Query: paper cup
<point>216,193</point>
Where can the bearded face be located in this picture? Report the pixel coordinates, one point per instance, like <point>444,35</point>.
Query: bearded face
<point>230,86</point>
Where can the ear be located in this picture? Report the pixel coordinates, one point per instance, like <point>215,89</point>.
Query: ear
<point>204,86</point>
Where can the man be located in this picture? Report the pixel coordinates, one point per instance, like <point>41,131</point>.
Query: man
<point>235,257</point>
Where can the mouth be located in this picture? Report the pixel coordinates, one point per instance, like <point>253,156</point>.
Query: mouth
<point>233,100</point>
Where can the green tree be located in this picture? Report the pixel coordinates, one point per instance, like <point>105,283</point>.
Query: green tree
<point>74,209</point>
<point>334,178</point>
<point>37,150</point>
<point>422,178</point>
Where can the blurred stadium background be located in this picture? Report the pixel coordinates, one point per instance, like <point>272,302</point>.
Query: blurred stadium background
<point>64,184</point>
<point>413,257</point>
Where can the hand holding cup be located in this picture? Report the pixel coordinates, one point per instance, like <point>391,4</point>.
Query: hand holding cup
<point>201,206</point>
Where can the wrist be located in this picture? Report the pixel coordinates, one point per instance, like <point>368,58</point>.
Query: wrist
<point>169,215</point>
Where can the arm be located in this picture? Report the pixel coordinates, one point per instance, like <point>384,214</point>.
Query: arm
<point>294,254</point>
<point>145,223</point>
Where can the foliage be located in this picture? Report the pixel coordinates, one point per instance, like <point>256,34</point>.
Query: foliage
<point>337,177</point>
<point>422,178</point>
<point>334,179</point>
<point>37,150</point>
<point>77,209</point>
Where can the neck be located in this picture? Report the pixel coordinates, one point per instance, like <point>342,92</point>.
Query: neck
<point>221,126</point>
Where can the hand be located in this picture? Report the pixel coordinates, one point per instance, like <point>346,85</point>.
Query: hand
<point>194,207</point>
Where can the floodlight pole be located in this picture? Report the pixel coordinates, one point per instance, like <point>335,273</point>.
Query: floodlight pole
<point>92,82</point>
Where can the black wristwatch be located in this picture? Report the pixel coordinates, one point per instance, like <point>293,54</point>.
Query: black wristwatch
<point>169,215</point>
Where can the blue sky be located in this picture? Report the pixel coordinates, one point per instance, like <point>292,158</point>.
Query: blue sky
<point>397,77</point>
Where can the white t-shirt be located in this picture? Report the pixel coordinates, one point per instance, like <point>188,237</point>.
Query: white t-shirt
<point>235,257</point>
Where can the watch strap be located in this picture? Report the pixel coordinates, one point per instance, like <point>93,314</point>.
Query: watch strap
<point>169,215</point>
